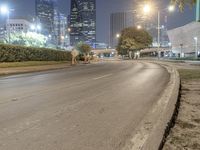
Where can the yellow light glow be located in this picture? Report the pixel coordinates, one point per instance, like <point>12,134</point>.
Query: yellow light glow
<point>147,8</point>
<point>118,35</point>
<point>171,8</point>
<point>139,27</point>
<point>69,29</point>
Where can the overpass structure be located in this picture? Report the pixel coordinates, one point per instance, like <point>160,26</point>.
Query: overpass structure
<point>152,52</point>
<point>105,52</point>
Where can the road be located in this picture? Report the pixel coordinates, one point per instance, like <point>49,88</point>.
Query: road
<point>87,107</point>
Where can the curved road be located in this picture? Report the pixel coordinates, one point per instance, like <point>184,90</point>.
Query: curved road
<point>88,107</point>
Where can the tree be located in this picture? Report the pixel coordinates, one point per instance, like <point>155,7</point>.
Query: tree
<point>28,39</point>
<point>85,49</point>
<point>181,3</point>
<point>133,39</point>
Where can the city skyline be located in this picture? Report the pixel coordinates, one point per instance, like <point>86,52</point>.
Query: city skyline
<point>82,21</point>
<point>104,9</point>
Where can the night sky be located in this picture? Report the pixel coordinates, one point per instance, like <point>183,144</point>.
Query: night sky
<point>104,8</point>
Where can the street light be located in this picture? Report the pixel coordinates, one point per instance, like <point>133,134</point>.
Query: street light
<point>196,46</point>
<point>117,35</point>
<point>69,29</point>
<point>32,27</point>
<point>139,27</point>
<point>36,28</point>
<point>5,10</point>
<point>39,27</point>
<point>147,9</point>
<point>171,8</point>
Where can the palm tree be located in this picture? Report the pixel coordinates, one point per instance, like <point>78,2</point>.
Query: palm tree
<point>181,3</point>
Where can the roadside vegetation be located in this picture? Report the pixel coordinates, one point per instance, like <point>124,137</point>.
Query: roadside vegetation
<point>132,40</point>
<point>186,132</point>
<point>85,51</point>
<point>181,3</point>
<point>189,74</point>
<point>30,63</point>
<point>14,53</point>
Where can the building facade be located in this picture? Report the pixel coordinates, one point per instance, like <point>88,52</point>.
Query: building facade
<point>2,34</point>
<point>45,15</point>
<point>119,21</point>
<point>184,39</point>
<point>18,25</point>
<point>82,21</point>
<point>60,36</point>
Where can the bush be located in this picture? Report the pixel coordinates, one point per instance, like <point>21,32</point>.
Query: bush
<point>13,53</point>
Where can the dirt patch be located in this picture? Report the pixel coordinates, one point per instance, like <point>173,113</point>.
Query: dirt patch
<point>185,135</point>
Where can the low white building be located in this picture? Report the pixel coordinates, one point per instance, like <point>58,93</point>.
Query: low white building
<point>18,25</point>
<point>186,39</point>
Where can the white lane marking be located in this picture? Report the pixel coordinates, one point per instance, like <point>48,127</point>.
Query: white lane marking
<point>107,75</point>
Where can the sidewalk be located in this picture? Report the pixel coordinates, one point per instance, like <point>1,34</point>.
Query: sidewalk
<point>18,70</point>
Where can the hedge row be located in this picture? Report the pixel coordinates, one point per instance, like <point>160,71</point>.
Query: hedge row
<point>13,53</point>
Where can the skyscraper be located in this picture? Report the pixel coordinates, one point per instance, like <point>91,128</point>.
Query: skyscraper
<point>119,21</point>
<point>60,29</point>
<point>45,15</point>
<point>83,21</point>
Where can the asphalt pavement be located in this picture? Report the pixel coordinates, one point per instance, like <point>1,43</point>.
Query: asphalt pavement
<point>87,107</point>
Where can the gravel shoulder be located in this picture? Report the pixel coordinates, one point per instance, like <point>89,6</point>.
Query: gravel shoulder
<point>186,132</point>
<point>26,67</point>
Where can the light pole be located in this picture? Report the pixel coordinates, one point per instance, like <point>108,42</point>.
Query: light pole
<point>181,45</point>
<point>196,47</point>
<point>6,10</point>
<point>147,9</point>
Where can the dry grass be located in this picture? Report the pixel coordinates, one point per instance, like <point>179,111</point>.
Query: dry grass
<point>30,63</point>
<point>189,74</point>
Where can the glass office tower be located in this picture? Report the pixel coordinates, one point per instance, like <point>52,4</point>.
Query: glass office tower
<point>83,21</point>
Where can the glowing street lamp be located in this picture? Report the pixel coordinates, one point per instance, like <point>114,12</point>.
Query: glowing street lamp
<point>4,10</point>
<point>62,37</point>
<point>69,29</point>
<point>117,35</point>
<point>147,9</point>
<point>171,8</point>
<point>139,27</point>
<point>36,28</point>
<point>39,27</point>
<point>32,27</point>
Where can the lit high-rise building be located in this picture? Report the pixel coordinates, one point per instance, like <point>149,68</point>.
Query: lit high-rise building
<point>118,22</point>
<point>45,15</point>
<point>83,21</point>
<point>60,35</point>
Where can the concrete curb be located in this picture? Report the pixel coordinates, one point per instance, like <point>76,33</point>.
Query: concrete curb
<point>32,69</point>
<point>152,129</point>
